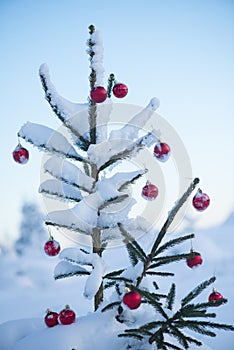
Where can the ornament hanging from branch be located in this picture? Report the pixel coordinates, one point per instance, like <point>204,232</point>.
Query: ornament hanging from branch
<point>120,90</point>
<point>132,299</point>
<point>194,260</point>
<point>201,200</point>
<point>162,151</point>
<point>20,154</point>
<point>149,191</point>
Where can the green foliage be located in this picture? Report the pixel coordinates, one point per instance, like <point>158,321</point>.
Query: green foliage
<point>189,316</point>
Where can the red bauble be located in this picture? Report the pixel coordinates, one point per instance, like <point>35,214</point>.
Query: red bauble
<point>132,299</point>
<point>149,192</point>
<point>120,90</point>
<point>20,154</point>
<point>214,296</point>
<point>67,316</point>
<point>51,318</point>
<point>98,94</point>
<point>52,247</point>
<point>162,151</point>
<point>194,260</point>
<point>201,200</point>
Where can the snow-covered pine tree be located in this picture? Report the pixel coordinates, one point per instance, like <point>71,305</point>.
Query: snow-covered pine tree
<point>32,229</point>
<point>83,173</point>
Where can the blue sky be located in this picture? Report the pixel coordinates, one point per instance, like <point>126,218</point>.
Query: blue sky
<point>180,51</point>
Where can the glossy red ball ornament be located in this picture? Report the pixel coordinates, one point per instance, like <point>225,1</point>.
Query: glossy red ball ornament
<point>98,94</point>
<point>215,296</point>
<point>52,247</point>
<point>120,90</point>
<point>67,316</point>
<point>132,299</point>
<point>162,151</point>
<point>201,200</point>
<point>194,260</point>
<point>51,318</point>
<point>149,192</point>
<point>20,154</point>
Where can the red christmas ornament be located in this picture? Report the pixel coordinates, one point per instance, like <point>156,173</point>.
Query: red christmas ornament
<point>132,299</point>
<point>52,247</point>
<point>162,151</point>
<point>67,316</point>
<point>214,296</point>
<point>201,200</point>
<point>120,90</point>
<point>20,154</point>
<point>98,94</point>
<point>149,191</point>
<point>51,318</point>
<point>194,260</point>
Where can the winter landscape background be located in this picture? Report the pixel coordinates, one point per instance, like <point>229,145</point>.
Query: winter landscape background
<point>178,51</point>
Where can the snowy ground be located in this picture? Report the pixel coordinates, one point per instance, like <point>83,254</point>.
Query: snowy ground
<point>27,289</point>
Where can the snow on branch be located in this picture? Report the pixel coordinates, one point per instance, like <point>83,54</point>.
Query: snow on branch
<point>69,173</point>
<point>110,152</point>
<point>95,50</point>
<point>66,269</point>
<point>64,109</point>
<point>130,131</point>
<point>77,257</point>
<point>84,216</point>
<point>48,140</point>
<point>63,191</point>
<point>122,180</point>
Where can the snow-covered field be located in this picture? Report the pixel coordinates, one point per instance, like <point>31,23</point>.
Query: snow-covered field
<point>27,289</point>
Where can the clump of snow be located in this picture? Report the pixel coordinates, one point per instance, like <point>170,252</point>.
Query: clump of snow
<point>153,104</point>
<point>96,61</point>
<point>102,153</point>
<point>131,130</point>
<point>47,139</point>
<point>68,172</point>
<point>65,107</point>
<point>61,190</point>
<point>78,257</point>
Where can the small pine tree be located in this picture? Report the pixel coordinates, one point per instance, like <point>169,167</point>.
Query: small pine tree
<point>83,173</point>
<point>32,230</point>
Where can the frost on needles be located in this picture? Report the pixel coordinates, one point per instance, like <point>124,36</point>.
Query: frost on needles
<point>82,168</point>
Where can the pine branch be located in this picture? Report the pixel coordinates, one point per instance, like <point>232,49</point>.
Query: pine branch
<point>179,336</point>
<point>164,229</point>
<point>172,243</point>
<point>71,228</point>
<point>56,109</point>
<point>66,181</point>
<point>132,244</point>
<point>53,150</point>
<point>132,181</point>
<point>172,215</point>
<point>171,297</point>
<point>159,273</point>
<point>61,196</point>
<point>168,259</point>
<point>127,152</point>
<point>113,274</point>
<point>114,200</point>
<point>92,80</point>
<point>53,188</point>
<point>111,306</point>
<point>71,274</point>
<point>111,82</point>
<point>194,293</point>
<point>172,346</point>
